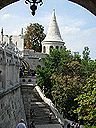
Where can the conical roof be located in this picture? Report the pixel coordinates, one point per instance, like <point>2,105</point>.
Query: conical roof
<point>53,33</point>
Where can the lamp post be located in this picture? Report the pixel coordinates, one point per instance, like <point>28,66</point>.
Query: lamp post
<point>33,5</point>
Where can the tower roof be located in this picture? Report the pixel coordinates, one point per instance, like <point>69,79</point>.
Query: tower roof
<point>53,33</point>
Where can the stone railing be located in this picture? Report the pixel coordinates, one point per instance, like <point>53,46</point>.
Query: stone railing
<point>28,80</point>
<point>61,120</point>
<point>8,90</point>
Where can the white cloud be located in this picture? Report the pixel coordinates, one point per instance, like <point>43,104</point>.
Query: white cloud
<point>5,16</point>
<point>76,39</point>
<point>71,30</point>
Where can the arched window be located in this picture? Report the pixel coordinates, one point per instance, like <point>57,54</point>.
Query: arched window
<point>23,80</point>
<point>44,49</point>
<point>57,47</point>
<point>51,47</point>
<point>29,80</point>
<point>61,47</point>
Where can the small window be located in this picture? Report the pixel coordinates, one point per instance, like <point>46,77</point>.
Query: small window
<point>29,80</point>
<point>23,80</point>
<point>44,49</point>
<point>57,47</point>
<point>51,47</point>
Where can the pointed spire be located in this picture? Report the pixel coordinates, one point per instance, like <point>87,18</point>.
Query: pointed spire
<point>2,31</point>
<point>53,33</point>
<point>22,31</point>
<point>2,35</point>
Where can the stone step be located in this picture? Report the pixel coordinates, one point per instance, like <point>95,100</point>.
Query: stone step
<point>34,103</point>
<point>39,104</point>
<point>44,120</point>
<point>49,126</point>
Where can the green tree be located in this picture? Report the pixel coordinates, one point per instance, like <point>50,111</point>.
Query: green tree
<point>64,91</point>
<point>44,80</point>
<point>53,64</point>
<point>61,78</point>
<point>67,86</point>
<point>34,35</point>
<point>87,102</point>
<point>86,53</point>
<point>89,65</point>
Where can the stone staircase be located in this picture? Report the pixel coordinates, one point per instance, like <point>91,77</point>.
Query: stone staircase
<point>36,110</point>
<point>49,126</point>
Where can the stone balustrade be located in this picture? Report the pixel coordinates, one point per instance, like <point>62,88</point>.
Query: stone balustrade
<point>28,80</point>
<point>61,120</point>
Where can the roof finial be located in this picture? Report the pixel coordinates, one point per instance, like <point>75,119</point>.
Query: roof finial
<point>53,9</point>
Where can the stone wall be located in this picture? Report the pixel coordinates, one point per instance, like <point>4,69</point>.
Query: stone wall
<point>9,68</point>
<point>11,108</point>
<point>34,59</point>
<point>11,103</point>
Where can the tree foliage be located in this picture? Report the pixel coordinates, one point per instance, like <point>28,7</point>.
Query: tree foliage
<point>86,53</point>
<point>65,90</point>
<point>34,35</point>
<point>63,78</point>
<point>87,102</point>
<point>88,64</point>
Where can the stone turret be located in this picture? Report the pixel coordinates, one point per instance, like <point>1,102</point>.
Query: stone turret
<point>53,38</point>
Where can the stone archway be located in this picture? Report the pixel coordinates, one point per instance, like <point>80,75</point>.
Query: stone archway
<point>4,3</point>
<point>88,4</point>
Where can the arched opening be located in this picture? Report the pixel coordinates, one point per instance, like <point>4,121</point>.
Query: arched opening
<point>61,47</point>
<point>57,47</point>
<point>89,5</point>
<point>51,47</point>
<point>29,80</point>
<point>4,3</point>
<point>24,69</point>
<point>44,49</point>
<point>23,80</point>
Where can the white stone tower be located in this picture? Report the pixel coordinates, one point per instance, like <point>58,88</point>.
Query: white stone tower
<point>53,38</point>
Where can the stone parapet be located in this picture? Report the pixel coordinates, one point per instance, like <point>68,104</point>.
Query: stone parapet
<point>11,108</point>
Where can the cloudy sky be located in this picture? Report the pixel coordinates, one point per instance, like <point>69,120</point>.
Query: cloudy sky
<point>76,24</point>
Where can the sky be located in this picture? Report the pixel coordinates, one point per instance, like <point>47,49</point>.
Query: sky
<point>77,25</point>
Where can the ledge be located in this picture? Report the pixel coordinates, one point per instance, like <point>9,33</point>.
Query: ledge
<point>5,92</point>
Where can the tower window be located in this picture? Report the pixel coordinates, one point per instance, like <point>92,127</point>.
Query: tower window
<point>51,47</point>
<point>57,47</point>
<point>44,49</point>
